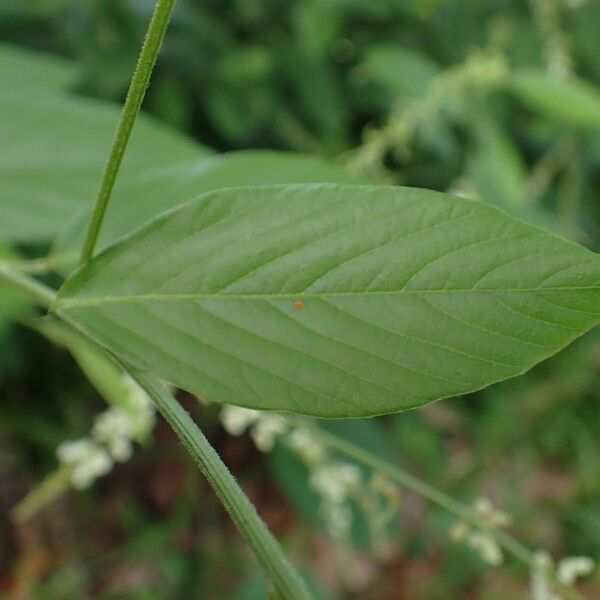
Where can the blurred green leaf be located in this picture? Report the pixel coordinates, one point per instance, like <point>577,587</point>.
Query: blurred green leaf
<point>53,155</point>
<point>25,70</point>
<point>571,101</point>
<point>497,169</point>
<point>399,71</point>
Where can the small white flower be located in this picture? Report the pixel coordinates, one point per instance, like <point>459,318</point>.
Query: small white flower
<point>334,481</point>
<point>115,429</point>
<point>114,422</point>
<point>350,474</point>
<point>303,443</point>
<point>72,452</point>
<point>487,547</point>
<point>266,429</point>
<point>339,519</point>
<point>143,413</point>
<point>540,586</point>
<point>120,449</point>
<point>324,481</point>
<point>236,419</point>
<point>87,461</point>
<point>572,568</point>
<point>493,517</point>
<point>459,531</point>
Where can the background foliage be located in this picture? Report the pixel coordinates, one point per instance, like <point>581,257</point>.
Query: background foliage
<point>495,100</point>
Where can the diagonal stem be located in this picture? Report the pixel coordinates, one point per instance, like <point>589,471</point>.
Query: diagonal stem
<point>135,95</point>
<point>41,293</point>
<point>268,552</point>
<point>435,496</point>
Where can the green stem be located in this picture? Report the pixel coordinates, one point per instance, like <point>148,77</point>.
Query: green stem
<point>41,293</point>
<point>44,264</point>
<point>283,576</point>
<point>435,496</point>
<point>48,490</point>
<point>135,95</point>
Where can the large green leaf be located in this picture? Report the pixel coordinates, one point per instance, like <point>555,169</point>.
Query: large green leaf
<point>26,70</point>
<point>335,300</point>
<point>572,101</point>
<point>52,155</point>
<point>144,196</point>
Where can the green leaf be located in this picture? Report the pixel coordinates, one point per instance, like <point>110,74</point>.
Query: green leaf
<point>25,70</point>
<point>144,196</point>
<point>573,101</point>
<point>53,154</point>
<point>496,167</point>
<point>335,301</point>
<point>402,72</point>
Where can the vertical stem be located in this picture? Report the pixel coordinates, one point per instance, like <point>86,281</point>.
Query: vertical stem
<point>135,95</point>
<point>285,580</point>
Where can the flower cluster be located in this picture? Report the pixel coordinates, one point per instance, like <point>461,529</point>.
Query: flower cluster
<point>111,438</point>
<point>264,427</point>
<point>568,571</point>
<point>543,572</point>
<point>86,459</point>
<point>482,72</point>
<point>481,539</point>
<point>336,482</point>
<point>339,484</point>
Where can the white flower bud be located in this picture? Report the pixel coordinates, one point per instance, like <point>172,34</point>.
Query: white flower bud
<point>87,461</point>
<point>487,547</point>
<point>339,519</point>
<point>303,443</point>
<point>572,568</point>
<point>266,429</point>
<point>459,531</point>
<point>236,419</point>
<point>540,587</point>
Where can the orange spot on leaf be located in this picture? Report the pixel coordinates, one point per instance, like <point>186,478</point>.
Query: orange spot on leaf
<point>298,304</point>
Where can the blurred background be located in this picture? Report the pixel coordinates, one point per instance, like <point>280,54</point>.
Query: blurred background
<point>496,101</point>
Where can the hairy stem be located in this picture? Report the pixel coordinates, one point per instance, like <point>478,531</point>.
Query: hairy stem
<point>44,264</point>
<point>283,576</point>
<point>135,95</point>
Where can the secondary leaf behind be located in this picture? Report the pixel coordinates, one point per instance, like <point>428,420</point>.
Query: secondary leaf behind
<point>53,151</point>
<point>143,196</point>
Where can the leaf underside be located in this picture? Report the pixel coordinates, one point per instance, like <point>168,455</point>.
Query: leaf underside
<point>335,301</point>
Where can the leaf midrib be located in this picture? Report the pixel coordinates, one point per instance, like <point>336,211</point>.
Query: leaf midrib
<point>134,298</point>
